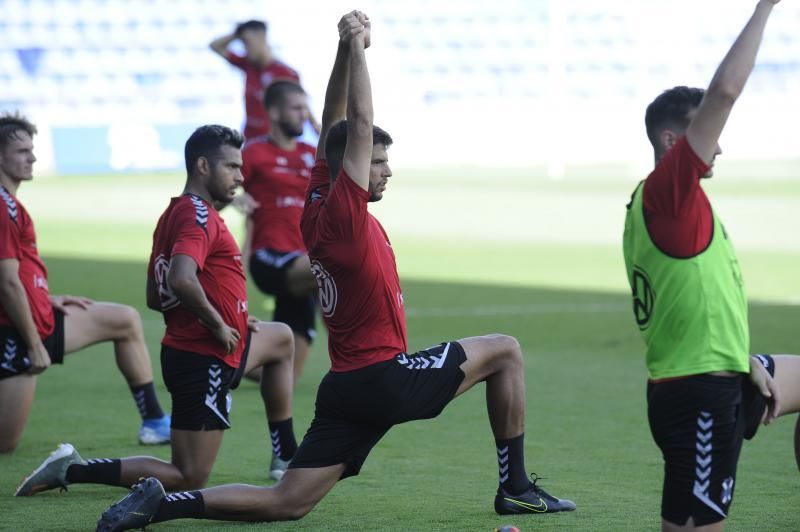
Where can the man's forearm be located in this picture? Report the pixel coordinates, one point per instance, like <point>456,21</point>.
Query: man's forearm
<point>359,95</point>
<point>192,297</point>
<point>336,93</point>
<point>14,301</point>
<point>731,76</point>
<point>220,45</point>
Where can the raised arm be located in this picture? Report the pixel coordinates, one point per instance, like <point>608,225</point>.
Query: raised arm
<point>220,44</point>
<point>358,151</point>
<point>705,129</point>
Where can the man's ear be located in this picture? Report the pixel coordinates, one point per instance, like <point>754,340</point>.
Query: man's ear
<point>668,138</point>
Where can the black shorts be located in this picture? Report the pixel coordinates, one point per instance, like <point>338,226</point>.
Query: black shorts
<point>200,387</point>
<point>268,269</point>
<point>355,409</point>
<point>754,403</point>
<point>15,359</point>
<point>698,423</point>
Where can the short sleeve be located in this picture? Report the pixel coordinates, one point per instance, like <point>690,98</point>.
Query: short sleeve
<point>345,213</point>
<point>192,237</point>
<point>9,236</point>
<point>671,189</point>
<point>236,60</point>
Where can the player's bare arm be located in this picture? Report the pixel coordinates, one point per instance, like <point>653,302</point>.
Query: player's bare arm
<point>727,85</point>
<point>220,44</point>
<point>335,107</point>
<point>183,281</point>
<point>358,151</point>
<point>15,303</point>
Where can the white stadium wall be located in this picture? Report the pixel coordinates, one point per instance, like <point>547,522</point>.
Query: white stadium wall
<point>118,85</point>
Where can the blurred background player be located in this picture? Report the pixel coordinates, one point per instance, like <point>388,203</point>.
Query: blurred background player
<point>37,329</point>
<point>260,69</point>
<point>276,171</point>
<point>373,384</point>
<point>690,302</point>
<point>195,278</point>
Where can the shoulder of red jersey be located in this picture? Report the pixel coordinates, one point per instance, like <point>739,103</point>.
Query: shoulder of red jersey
<point>260,140</point>
<point>194,207</point>
<point>286,70</point>
<point>11,204</point>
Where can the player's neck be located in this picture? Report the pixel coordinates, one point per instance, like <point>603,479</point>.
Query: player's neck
<point>196,190</point>
<point>9,184</point>
<point>281,140</point>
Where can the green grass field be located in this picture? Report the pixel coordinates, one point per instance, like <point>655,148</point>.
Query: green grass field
<point>525,256</point>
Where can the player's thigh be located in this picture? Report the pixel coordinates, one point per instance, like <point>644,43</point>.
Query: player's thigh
<point>299,279</point>
<point>98,322</point>
<point>16,398</point>
<point>270,343</point>
<point>787,375</point>
<point>487,355</point>
<point>194,452</point>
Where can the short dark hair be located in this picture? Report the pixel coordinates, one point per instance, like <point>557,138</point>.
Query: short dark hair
<point>276,92</point>
<point>337,140</point>
<point>10,125</point>
<point>259,25</point>
<point>206,141</point>
<point>670,110</point>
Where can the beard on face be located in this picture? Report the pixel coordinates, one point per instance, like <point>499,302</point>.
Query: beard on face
<point>291,130</point>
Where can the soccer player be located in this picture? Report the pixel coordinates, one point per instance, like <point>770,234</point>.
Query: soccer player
<point>37,329</point>
<point>196,279</point>
<point>276,171</point>
<point>373,384</point>
<point>690,303</point>
<point>260,69</point>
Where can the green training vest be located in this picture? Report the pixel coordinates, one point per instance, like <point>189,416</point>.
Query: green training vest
<point>692,312</point>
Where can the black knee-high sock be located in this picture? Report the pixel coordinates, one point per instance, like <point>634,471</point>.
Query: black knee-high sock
<point>282,435</point>
<point>96,471</point>
<point>180,505</point>
<point>511,463</point>
<point>146,401</point>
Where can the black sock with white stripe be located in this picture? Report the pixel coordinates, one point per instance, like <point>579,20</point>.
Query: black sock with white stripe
<point>282,435</point>
<point>146,401</point>
<point>180,505</point>
<point>96,471</point>
<point>511,464</point>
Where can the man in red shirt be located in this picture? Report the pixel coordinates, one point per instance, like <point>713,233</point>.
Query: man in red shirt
<point>373,383</point>
<point>37,329</point>
<point>276,171</point>
<point>684,125</point>
<point>195,278</point>
<point>260,70</point>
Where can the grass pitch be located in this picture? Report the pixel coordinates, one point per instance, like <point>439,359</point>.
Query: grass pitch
<point>563,299</point>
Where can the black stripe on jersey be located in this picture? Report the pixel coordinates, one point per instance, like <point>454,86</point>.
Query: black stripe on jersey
<point>11,205</point>
<point>200,212</point>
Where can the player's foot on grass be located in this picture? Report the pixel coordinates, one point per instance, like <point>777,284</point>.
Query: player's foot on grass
<point>155,431</point>
<point>532,501</point>
<point>278,467</point>
<point>52,473</point>
<point>136,509</point>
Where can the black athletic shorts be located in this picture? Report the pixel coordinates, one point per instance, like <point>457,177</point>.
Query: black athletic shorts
<point>355,409</point>
<point>200,387</point>
<point>268,269</point>
<point>15,359</point>
<point>698,422</point>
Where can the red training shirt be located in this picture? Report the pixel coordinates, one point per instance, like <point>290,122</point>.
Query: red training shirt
<point>677,210</point>
<point>18,241</point>
<point>354,264</point>
<point>191,227</point>
<point>277,179</point>
<point>256,79</point>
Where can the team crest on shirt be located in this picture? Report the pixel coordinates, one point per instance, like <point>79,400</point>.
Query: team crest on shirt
<point>11,205</point>
<point>644,297</point>
<point>160,270</point>
<point>328,294</point>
